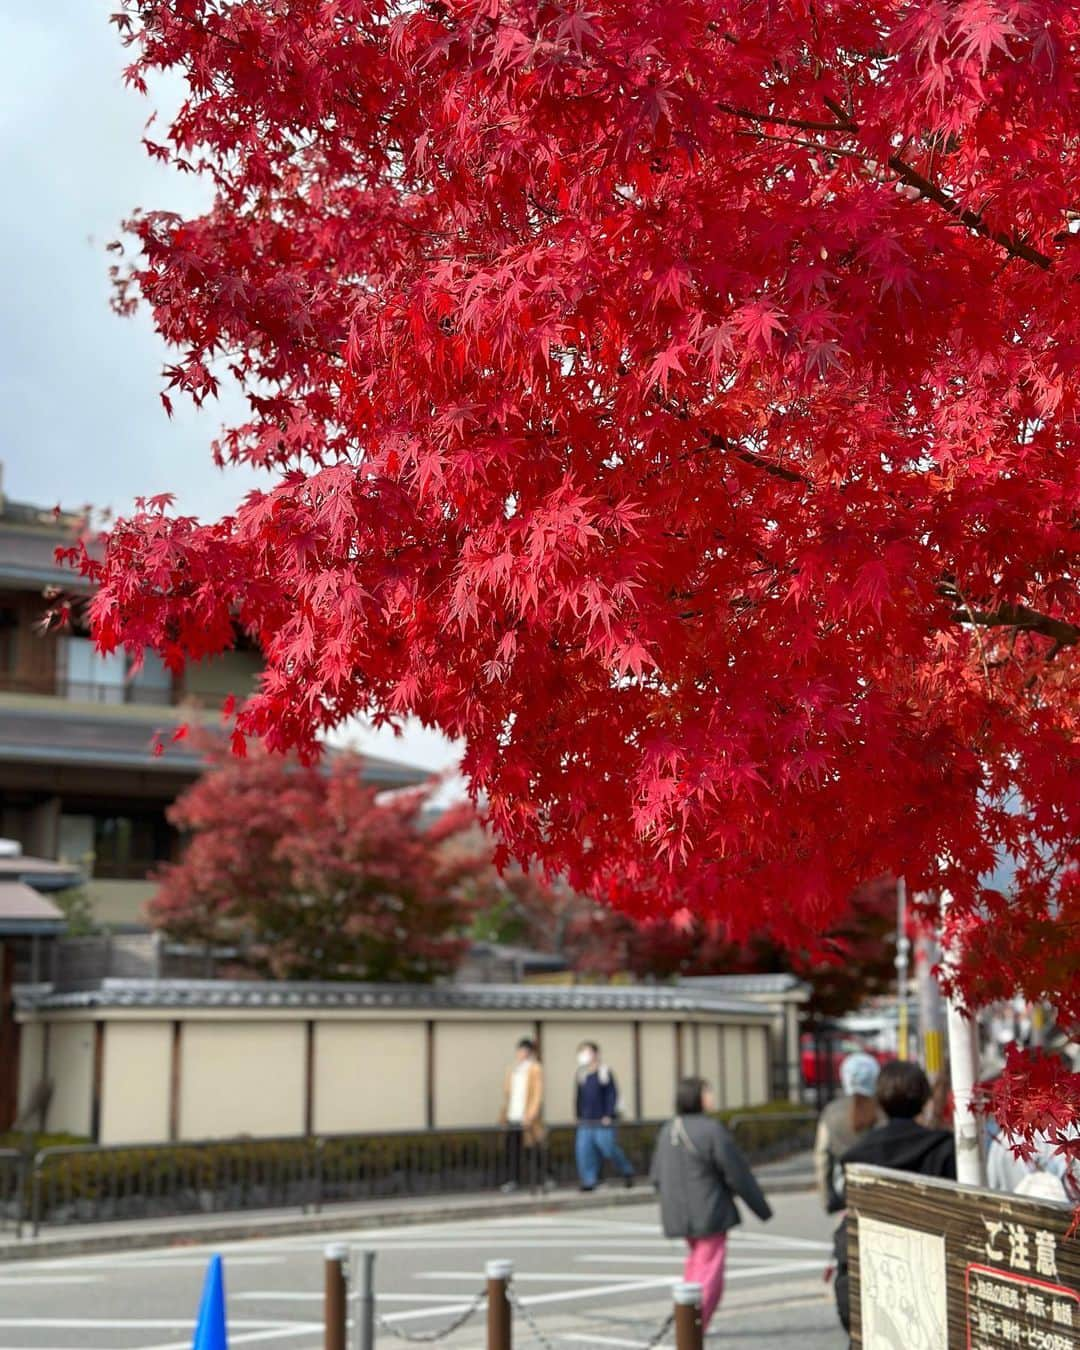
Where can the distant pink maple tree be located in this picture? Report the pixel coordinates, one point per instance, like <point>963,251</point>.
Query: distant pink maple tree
<point>313,875</point>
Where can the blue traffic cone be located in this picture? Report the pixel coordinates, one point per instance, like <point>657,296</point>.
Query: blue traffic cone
<point>210,1332</point>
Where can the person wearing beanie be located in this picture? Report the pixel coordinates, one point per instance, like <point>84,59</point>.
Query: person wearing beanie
<point>843,1122</point>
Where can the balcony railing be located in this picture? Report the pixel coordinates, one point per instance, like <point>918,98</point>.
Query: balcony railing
<point>75,691</point>
<point>128,870</point>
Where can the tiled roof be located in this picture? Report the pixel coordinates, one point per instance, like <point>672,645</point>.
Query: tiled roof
<point>29,537</point>
<point>41,873</point>
<point>747,984</point>
<point>48,731</point>
<point>23,910</point>
<point>229,994</point>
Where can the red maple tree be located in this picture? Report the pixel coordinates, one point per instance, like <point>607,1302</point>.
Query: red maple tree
<point>676,401</point>
<point>311,875</point>
<point>850,964</point>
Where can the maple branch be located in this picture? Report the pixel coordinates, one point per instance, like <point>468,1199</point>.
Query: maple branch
<point>973,220</point>
<point>835,150</point>
<point>906,173</point>
<point>804,124</point>
<point>1019,617</point>
<point>718,442</point>
<point>759,461</point>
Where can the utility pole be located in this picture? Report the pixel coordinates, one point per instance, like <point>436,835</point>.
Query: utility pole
<point>903,947</point>
<point>964,1071</point>
<point>931,1003</point>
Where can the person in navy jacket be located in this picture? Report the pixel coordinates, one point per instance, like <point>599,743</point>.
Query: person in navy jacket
<point>596,1105</point>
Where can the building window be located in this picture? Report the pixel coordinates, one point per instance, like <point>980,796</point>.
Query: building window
<point>152,682</point>
<point>89,677</point>
<point>116,847</point>
<point>9,629</point>
<point>76,841</point>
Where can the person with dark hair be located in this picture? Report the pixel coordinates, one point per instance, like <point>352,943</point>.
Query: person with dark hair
<point>521,1115</point>
<point>902,1092</point>
<point>698,1170</point>
<point>596,1106</point>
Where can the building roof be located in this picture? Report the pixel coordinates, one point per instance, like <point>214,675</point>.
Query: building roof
<point>42,874</point>
<point>526,957</point>
<point>29,538</point>
<point>750,986</point>
<point>258,994</point>
<point>35,730</point>
<point>24,911</point>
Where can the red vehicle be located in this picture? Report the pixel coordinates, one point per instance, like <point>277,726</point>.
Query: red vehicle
<point>824,1063</point>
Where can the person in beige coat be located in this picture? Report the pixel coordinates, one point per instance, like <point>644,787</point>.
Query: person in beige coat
<point>522,1116</point>
<point>843,1123</point>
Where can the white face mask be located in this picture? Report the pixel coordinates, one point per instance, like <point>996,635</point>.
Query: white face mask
<point>584,1058</point>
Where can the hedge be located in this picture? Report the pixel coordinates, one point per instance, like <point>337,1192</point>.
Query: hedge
<point>246,1173</point>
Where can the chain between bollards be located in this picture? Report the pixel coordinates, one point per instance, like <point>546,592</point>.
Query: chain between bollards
<point>499,1315</point>
<point>686,1314</point>
<point>689,1331</point>
<point>337,1296</point>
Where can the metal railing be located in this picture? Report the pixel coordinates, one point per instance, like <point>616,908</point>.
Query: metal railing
<point>14,1166</point>
<point>769,1135</point>
<point>91,1184</point>
<point>89,691</point>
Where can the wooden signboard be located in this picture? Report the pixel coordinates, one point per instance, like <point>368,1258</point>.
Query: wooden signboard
<point>937,1266</point>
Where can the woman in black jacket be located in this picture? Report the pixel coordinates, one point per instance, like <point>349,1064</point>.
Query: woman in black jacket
<point>698,1170</point>
<point>902,1143</point>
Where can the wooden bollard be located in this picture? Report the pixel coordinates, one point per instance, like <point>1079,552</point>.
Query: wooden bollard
<point>337,1296</point>
<point>499,1318</point>
<point>689,1331</point>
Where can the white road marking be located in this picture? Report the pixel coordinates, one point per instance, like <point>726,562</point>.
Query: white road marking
<point>501,1240</point>
<point>122,1323</point>
<point>30,1280</point>
<point>752,1272</point>
<point>612,1225</point>
<point>318,1297</point>
<point>633,1277</point>
<point>446,1309</point>
<point>276,1334</point>
<point>161,1259</point>
<point>562,1296</point>
<point>604,1340</point>
<point>630,1258</point>
<point>740,1305</point>
<point>533,1299</point>
<point>769,1240</point>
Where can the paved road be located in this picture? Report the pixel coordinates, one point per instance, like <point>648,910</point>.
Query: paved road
<point>599,1279</point>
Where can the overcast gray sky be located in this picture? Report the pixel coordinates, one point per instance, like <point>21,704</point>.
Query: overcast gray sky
<point>81,421</point>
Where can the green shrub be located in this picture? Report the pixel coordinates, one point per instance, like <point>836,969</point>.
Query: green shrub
<point>241,1172</point>
<point>34,1142</point>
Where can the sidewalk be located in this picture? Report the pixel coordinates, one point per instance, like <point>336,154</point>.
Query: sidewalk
<point>790,1174</point>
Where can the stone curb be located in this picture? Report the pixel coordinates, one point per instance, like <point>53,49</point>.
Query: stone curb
<point>247,1227</point>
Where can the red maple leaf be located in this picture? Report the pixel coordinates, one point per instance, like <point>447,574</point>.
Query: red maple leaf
<point>497,280</point>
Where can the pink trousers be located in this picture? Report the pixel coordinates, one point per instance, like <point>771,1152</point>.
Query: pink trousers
<point>705,1266</point>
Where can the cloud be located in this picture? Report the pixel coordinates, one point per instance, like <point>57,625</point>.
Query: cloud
<point>81,421</point>
<point>80,416</point>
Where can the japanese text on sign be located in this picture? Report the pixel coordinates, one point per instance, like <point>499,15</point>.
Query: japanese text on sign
<point>1006,1309</point>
